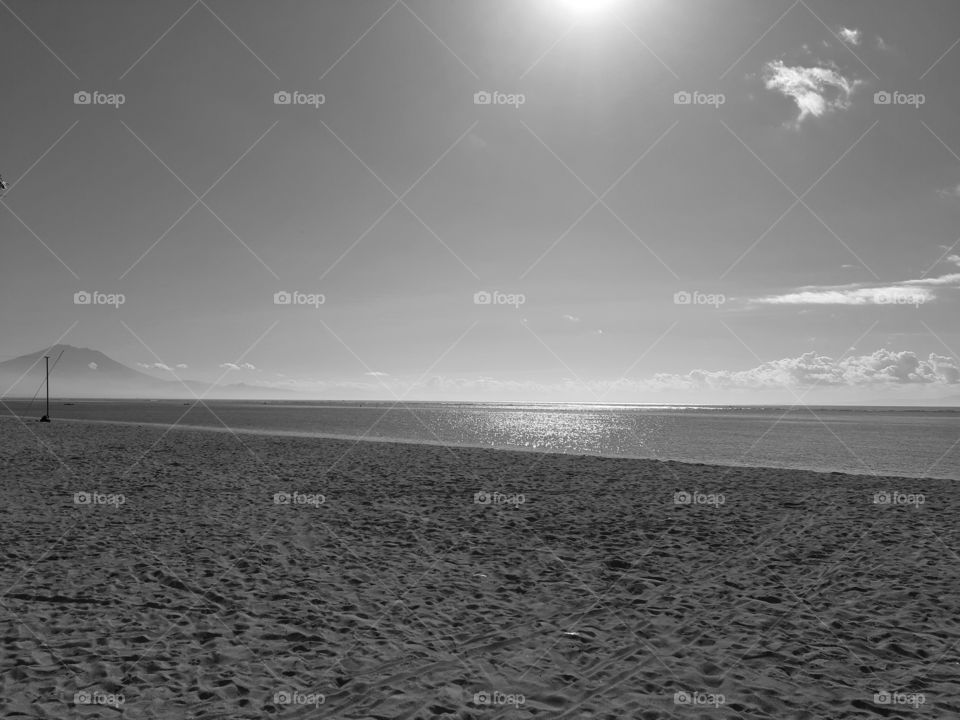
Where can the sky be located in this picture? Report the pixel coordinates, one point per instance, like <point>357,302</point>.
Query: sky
<point>672,201</point>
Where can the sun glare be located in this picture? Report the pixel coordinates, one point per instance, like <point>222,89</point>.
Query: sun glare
<point>588,7</point>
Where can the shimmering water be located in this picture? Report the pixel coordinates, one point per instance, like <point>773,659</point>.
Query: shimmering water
<point>889,441</point>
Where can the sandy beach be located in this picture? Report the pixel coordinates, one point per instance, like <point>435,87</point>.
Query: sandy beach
<point>190,574</point>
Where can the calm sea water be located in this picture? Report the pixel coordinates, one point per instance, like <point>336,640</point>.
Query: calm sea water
<point>915,442</point>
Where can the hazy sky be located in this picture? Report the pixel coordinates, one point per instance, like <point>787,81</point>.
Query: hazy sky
<point>814,225</point>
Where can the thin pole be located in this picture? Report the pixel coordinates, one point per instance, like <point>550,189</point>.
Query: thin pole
<point>46,417</point>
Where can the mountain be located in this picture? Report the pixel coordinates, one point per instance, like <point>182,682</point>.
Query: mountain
<point>82,372</point>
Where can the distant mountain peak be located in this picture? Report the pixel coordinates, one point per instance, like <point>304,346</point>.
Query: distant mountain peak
<point>86,372</point>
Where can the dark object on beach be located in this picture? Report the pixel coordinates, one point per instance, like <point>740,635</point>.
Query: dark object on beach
<point>46,415</point>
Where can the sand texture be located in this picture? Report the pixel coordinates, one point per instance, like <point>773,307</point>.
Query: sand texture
<point>397,595</point>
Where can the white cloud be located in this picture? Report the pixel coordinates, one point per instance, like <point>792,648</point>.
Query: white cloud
<point>851,36</point>
<point>155,366</point>
<point>92,365</point>
<point>951,192</point>
<point>815,90</point>
<point>890,295</point>
<point>238,366</point>
<point>571,318</point>
<point>955,259</point>
<point>883,367</point>
<point>903,292</point>
<point>376,373</point>
<point>181,366</point>
<point>882,45</point>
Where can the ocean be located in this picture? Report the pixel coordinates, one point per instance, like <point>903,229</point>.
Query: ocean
<point>910,442</point>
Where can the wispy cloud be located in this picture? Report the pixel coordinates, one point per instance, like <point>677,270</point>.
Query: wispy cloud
<point>902,292</point>
<point>851,36</point>
<point>951,192</point>
<point>376,373</point>
<point>155,366</point>
<point>815,90</point>
<point>238,366</point>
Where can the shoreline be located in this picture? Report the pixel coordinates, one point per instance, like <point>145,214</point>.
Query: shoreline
<point>266,432</point>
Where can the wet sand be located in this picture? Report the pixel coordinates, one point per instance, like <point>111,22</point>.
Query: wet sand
<point>153,574</point>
